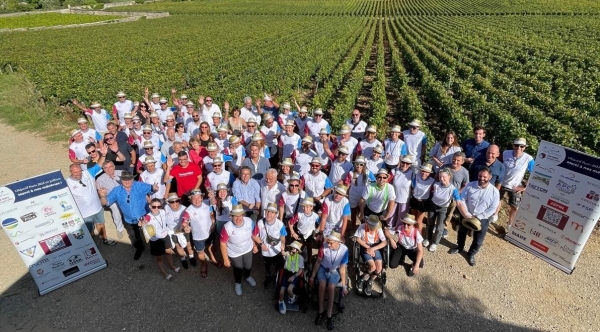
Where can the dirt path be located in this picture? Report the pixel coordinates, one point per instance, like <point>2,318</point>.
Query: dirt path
<point>509,290</point>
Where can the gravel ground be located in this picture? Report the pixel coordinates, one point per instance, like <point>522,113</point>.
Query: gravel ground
<point>508,290</point>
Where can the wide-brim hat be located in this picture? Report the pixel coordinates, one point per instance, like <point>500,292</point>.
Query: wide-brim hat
<point>149,232</point>
<point>234,139</point>
<point>170,117</point>
<point>290,123</point>
<point>82,120</point>
<point>371,129</point>
<point>223,128</point>
<point>95,105</point>
<point>126,176</point>
<point>155,95</point>
<point>217,160</point>
<point>286,106</point>
<point>237,210</point>
<point>222,186</point>
<point>74,132</point>
<point>472,223</point>
<point>287,162</point>
<point>307,139</point>
<point>189,103</point>
<point>272,207</point>
<point>415,123</point>
<point>409,219</point>
<point>195,192</point>
<point>341,189</point>
<point>383,171</point>
<point>172,197</point>
<point>373,221</point>
<point>318,111</point>
<point>378,149</point>
<point>147,128</point>
<point>217,115</point>
<point>212,147</point>
<point>296,245</point>
<point>183,97</point>
<point>520,141</point>
<point>308,201</point>
<point>257,137</point>
<point>334,236</point>
<point>427,168</point>
<point>251,120</point>
<point>149,160</point>
<point>162,101</point>
<point>303,109</point>
<point>148,144</point>
<point>406,159</point>
<point>396,129</point>
<point>121,94</point>
<point>360,160</point>
<point>343,149</point>
<point>317,160</point>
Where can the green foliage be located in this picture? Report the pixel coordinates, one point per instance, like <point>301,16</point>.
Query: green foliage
<point>50,19</point>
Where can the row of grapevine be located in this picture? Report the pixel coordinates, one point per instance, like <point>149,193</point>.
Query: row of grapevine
<point>379,106</point>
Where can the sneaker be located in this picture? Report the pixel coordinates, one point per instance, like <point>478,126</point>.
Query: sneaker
<point>425,243</point>
<point>411,273</point>
<point>177,269</point>
<point>493,219</point>
<point>330,324</point>
<point>184,263</point>
<point>238,289</point>
<point>369,287</point>
<point>359,285</point>
<point>445,234</point>
<point>251,281</point>
<point>292,299</point>
<point>432,247</point>
<point>282,307</point>
<point>138,254</point>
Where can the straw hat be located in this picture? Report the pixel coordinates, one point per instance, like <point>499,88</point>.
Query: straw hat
<point>383,171</point>
<point>286,106</point>
<point>223,128</point>
<point>341,189</point>
<point>172,197</point>
<point>75,132</point>
<point>334,236</point>
<point>294,177</point>
<point>149,232</point>
<point>323,131</point>
<point>378,149</point>
<point>415,123</point>
<point>303,109</point>
<point>520,141</point>
<point>251,120</point>
<point>82,120</point>
<point>148,144</point>
<point>427,168</point>
<point>212,146</point>
<point>189,103</point>
<point>162,101</point>
<point>345,130</point>
<point>360,160</point>
<point>222,186</point>
<point>195,192</point>
<point>127,116</point>
<point>472,223</point>
<point>183,97</point>
<point>217,161</point>
<point>409,219</point>
<point>308,201</point>
<point>343,149</point>
<point>372,129</point>
<point>296,245</point>
<point>307,139</point>
<point>257,137</point>
<point>217,115</point>
<point>154,115</point>
<point>147,128</point>
<point>155,95</point>
<point>95,105</point>
<point>316,160</point>
<point>290,123</point>
<point>149,160</point>
<point>121,94</point>
<point>406,159</point>
<point>396,129</point>
<point>318,111</point>
<point>272,207</point>
<point>234,139</point>
<point>373,221</point>
<point>287,162</point>
<point>237,210</point>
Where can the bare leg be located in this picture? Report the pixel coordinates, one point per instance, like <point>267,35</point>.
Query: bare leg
<point>330,293</point>
<point>101,230</point>
<point>322,285</point>
<point>159,261</point>
<point>169,253</point>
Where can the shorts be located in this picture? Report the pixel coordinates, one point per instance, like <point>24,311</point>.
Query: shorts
<point>182,239</point>
<point>419,205</point>
<point>96,218</point>
<point>331,277</point>
<point>366,257</point>
<point>200,245</point>
<point>158,247</point>
<point>514,199</point>
<point>286,275</point>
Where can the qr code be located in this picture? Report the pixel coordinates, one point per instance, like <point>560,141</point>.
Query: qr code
<point>56,242</point>
<point>552,217</point>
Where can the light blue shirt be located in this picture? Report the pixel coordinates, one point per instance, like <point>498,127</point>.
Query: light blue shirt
<point>133,203</point>
<point>249,193</point>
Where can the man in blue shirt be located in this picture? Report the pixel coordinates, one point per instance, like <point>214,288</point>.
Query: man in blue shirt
<point>247,191</point>
<point>475,147</point>
<point>130,196</point>
<point>270,107</point>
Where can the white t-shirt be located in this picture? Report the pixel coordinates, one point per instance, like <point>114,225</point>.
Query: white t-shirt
<point>199,219</point>
<point>152,178</point>
<point>409,241</point>
<point>160,224</point>
<point>303,159</point>
<point>290,202</point>
<point>315,127</point>
<point>122,108</point>
<point>85,194</point>
<point>100,119</point>
<point>422,188</point>
<point>307,224</point>
<point>402,182</point>
<point>393,151</point>
<point>79,152</point>
<point>515,168</point>
<point>276,230</point>
<point>215,179</point>
<point>367,147</point>
<point>442,196</point>
<point>290,143</point>
<point>339,170</point>
<point>163,114</point>
<point>378,199</point>
<point>368,237</point>
<point>271,195</point>
<point>174,217</point>
<point>414,144</point>
<point>335,211</point>
<point>238,238</point>
<point>315,185</point>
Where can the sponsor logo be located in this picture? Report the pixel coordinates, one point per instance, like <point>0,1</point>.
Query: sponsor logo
<point>40,262</point>
<point>566,188</point>
<point>546,169</point>
<point>23,241</point>
<point>8,211</point>
<point>27,217</point>
<point>70,271</point>
<point>48,232</point>
<point>577,226</point>
<point>57,265</point>
<point>10,223</point>
<point>518,235</point>
<point>561,258</point>
<point>539,246</point>
<point>70,223</point>
<point>594,184</point>
<point>550,153</point>
<point>541,178</point>
<point>582,216</point>
<point>532,195</point>
<point>519,225</point>
<point>547,228</point>
<point>65,206</point>
<point>534,232</point>
<point>570,177</point>
<point>95,261</point>
<point>74,260</point>
<point>45,223</point>
<point>538,188</point>
<point>592,197</point>
<point>40,273</point>
<point>585,207</point>
<point>48,211</point>
<point>33,204</point>
<point>551,241</point>
<point>566,238</point>
<point>557,205</point>
<point>552,217</point>
<point>67,215</point>
<point>55,243</point>
<point>19,233</point>
<point>561,199</point>
<point>568,250</point>
<point>78,234</point>
<point>29,251</point>
<point>90,253</point>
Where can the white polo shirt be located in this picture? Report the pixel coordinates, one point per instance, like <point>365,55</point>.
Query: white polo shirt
<point>155,178</point>
<point>315,185</point>
<point>481,202</point>
<point>335,212</point>
<point>269,195</point>
<point>290,143</point>
<point>377,199</point>
<point>275,229</point>
<point>238,238</point>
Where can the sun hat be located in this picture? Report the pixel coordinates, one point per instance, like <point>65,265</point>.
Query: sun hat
<point>149,232</point>
<point>303,109</point>
<point>520,141</point>
<point>136,118</point>
<point>406,159</point>
<point>162,101</point>
<point>334,236</point>
<point>472,224</point>
<point>396,129</point>
<point>286,106</point>
<point>195,192</point>
<point>308,201</point>
<point>323,131</point>
<point>95,104</point>
<point>154,115</point>
<point>372,129</point>
<point>126,176</point>
<point>149,159</point>
<point>427,168</point>
<point>341,189</point>
<point>415,123</point>
<point>383,171</point>
<point>318,111</point>
<point>217,160</point>
<point>237,210</point>
<point>378,149</point>
<point>189,103</point>
<point>290,123</point>
<point>170,117</point>
<point>267,116</point>
<point>251,120</point>
<point>307,139</point>
<point>172,197</point>
<point>136,103</point>
<point>257,136</point>
<point>82,120</point>
<point>222,186</point>
<point>287,162</point>
<point>212,146</point>
<point>155,95</point>
<point>121,94</point>
<point>343,149</point>
<point>294,177</point>
<point>183,97</point>
<point>146,128</point>
<point>272,207</point>
<point>316,160</point>
<point>75,132</point>
<point>148,144</point>
<point>217,115</point>
<point>409,219</point>
<point>223,128</point>
<point>373,221</point>
<point>234,139</point>
<point>360,160</point>
<point>127,116</point>
<point>296,245</point>
<point>345,130</point>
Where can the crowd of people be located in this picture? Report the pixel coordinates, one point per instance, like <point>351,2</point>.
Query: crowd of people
<point>220,185</point>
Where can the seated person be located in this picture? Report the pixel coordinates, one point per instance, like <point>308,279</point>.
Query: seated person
<point>371,239</point>
<point>293,268</point>
<point>302,226</point>
<point>330,269</point>
<point>406,240</point>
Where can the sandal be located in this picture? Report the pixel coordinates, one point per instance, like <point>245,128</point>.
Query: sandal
<point>204,273</point>
<point>109,242</point>
<point>177,269</point>
<point>218,264</point>
<point>169,277</point>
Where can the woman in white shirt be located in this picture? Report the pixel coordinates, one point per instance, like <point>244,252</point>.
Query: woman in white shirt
<point>442,194</point>
<point>443,151</point>
<point>183,242</point>
<point>406,240</point>
<point>421,195</point>
<point>358,179</point>
<point>272,233</point>
<point>402,177</point>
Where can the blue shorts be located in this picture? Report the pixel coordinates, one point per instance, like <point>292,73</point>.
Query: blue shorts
<point>199,245</point>
<point>366,257</point>
<point>331,277</point>
<point>96,218</point>
<point>286,275</point>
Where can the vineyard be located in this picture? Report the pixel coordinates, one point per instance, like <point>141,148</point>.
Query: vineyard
<point>520,68</point>
<point>50,19</point>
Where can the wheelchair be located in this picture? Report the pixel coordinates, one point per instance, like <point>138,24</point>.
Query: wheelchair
<point>361,268</point>
<point>301,292</point>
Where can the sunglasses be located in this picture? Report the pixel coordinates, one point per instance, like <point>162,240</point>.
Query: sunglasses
<point>147,132</point>
<point>170,120</point>
<point>93,151</point>
<point>403,163</point>
<point>155,206</point>
<point>173,202</point>
<point>381,177</point>
<point>163,103</point>
<point>81,183</point>
<point>108,138</point>
<point>294,185</point>
<point>148,148</point>
<point>413,127</point>
<point>355,114</point>
<point>217,165</point>
<point>342,154</point>
<point>195,116</point>
<point>251,126</point>
<point>128,199</point>
<point>406,224</point>
<point>318,115</point>
<point>208,100</point>
<point>360,164</point>
<point>137,121</point>
<point>204,127</point>
<point>519,146</point>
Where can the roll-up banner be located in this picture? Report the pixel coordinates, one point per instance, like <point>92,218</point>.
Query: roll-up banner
<point>560,206</point>
<point>42,221</point>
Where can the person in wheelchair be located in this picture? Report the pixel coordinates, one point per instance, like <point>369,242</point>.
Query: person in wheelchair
<point>303,224</point>
<point>330,269</point>
<point>406,240</point>
<point>371,239</point>
<point>293,269</point>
